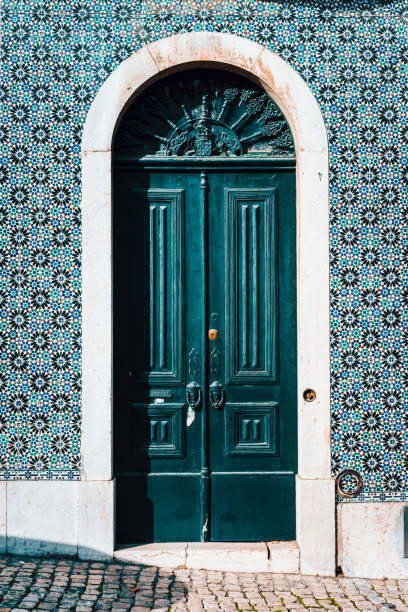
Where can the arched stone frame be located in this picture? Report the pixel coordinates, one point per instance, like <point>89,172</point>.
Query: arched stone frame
<point>315,499</point>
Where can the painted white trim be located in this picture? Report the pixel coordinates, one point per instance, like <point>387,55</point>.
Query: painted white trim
<point>297,102</point>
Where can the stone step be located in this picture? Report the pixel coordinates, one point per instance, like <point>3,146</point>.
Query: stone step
<point>279,557</point>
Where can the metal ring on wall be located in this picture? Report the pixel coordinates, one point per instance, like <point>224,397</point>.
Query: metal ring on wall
<point>353,492</point>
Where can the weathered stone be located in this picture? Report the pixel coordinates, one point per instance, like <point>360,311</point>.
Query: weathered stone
<point>140,589</point>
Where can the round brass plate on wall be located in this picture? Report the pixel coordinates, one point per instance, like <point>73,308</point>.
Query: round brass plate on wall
<point>309,395</point>
<point>354,489</point>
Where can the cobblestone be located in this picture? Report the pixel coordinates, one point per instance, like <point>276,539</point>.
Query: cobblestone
<point>75,586</point>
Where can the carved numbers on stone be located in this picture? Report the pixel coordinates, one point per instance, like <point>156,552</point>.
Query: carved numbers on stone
<point>204,113</point>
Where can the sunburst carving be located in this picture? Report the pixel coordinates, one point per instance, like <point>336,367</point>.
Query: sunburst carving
<point>204,113</point>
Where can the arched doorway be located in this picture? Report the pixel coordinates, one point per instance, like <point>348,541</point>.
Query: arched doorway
<point>204,235</point>
<point>315,503</point>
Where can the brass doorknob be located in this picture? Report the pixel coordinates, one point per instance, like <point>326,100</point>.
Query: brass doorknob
<point>309,395</point>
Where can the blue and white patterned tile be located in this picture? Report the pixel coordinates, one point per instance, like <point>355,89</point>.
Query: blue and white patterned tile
<point>55,55</point>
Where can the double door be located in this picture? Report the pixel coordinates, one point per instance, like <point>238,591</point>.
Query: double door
<point>205,352</point>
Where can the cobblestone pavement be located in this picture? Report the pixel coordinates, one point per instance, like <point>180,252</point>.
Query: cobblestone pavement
<point>61,584</point>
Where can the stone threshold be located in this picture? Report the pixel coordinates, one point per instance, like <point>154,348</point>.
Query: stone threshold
<point>278,557</point>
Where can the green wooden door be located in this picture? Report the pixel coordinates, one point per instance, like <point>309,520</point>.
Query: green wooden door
<point>205,429</point>
<point>159,346</point>
<point>252,363</point>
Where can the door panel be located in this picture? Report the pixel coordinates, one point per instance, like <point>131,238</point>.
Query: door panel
<point>158,430</point>
<point>197,249</point>
<point>252,507</point>
<point>251,284</point>
<point>163,274</point>
<point>251,429</point>
<point>154,508</point>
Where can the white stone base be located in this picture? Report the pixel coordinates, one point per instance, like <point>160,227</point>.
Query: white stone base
<point>57,518</point>
<point>41,517</point>
<point>315,525</point>
<point>171,554</point>
<point>282,557</point>
<point>371,540</point>
<point>77,518</point>
<point>96,520</point>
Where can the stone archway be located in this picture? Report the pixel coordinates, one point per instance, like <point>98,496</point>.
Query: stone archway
<point>315,487</point>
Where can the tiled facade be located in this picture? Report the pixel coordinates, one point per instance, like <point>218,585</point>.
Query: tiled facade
<point>55,56</point>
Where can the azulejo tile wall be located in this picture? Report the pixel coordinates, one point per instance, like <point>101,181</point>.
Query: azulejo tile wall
<point>55,55</point>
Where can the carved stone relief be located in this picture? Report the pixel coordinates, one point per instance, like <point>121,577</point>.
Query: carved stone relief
<point>204,113</point>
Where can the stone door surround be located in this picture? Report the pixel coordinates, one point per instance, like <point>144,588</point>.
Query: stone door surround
<point>315,498</point>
